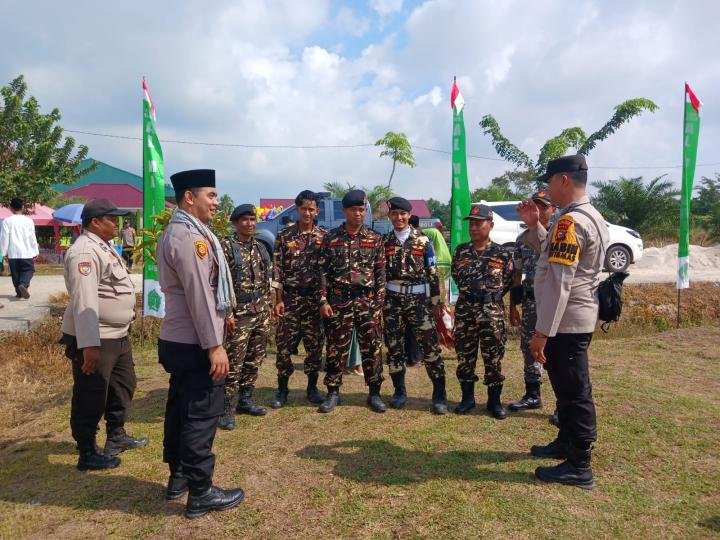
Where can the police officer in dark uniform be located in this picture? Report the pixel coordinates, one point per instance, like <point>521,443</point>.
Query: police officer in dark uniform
<point>199,299</point>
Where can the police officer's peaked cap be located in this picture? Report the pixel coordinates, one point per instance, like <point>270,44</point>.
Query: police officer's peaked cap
<point>543,195</point>
<point>564,164</point>
<point>196,178</point>
<point>398,203</point>
<point>242,210</point>
<point>356,197</point>
<point>99,208</point>
<point>480,211</point>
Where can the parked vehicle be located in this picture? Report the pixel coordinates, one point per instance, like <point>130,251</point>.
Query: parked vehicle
<point>625,248</point>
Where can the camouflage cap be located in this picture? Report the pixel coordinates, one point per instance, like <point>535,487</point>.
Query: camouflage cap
<point>480,211</point>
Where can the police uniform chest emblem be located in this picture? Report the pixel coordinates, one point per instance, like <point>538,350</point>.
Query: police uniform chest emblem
<point>85,268</point>
<point>201,249</point>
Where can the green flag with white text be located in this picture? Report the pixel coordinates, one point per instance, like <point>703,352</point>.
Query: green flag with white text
<point>691,132</point>
<point>460,193</point>
<point>153,203</point>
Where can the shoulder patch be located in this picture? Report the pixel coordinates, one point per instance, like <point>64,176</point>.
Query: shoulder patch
<point>85,268</point>
<point>201,249</point>
<point>564,247</point>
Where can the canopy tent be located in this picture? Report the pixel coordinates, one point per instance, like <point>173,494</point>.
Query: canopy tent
<point>41,216</point>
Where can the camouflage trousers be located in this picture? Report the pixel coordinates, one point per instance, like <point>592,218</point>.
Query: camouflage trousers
<point>302,321</point>
<point>483,324</point>
<point>403,311</point>
<point>246,351</point>
<point>362,315</point>
<point>532,369</point>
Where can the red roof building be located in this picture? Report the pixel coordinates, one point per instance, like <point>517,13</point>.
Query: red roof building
<point>123,196</point>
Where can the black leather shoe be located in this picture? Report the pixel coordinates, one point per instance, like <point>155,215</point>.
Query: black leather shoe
<point>439,396</point>
<point>555,450</point>
<point>22,291</point>
<point>399,399</point>
<point>176,487</point>
<point>374,401</point>
<point>121,441</point>
<point>494,405</point>
<point>331,400</point>
<point>227,420</point>
<point>531,399</point>
<point>281,396</point>
<point>211,500</point>
<point>312,393</point>
<point>91,460</point>
<point>574,471</point>
<point>554,419</point>
<point>467,403</point>
<point>247,406</point>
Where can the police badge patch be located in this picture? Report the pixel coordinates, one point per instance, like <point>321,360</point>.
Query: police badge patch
<point>201,249</point>
<point>85,268</point>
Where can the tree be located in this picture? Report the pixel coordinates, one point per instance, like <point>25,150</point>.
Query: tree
<point>337,190</point>
<point>396,147</point>
<point>33,153</point>
<point>708,197</point>
<point>440,210</point>
<point>651,208</point>
<point>376,196</point>
<point>559,145</point>
<point>226,205</point>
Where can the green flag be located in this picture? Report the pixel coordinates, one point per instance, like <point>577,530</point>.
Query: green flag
<point>153,203</point>
<point>460,193</point>
<point>691,132</point>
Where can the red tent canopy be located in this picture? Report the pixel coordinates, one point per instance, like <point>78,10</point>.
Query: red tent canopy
<point>41,216</point>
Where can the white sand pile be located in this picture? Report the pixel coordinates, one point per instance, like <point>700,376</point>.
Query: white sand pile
<point>660,259</point>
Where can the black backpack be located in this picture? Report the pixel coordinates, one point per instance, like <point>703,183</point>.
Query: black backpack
<point>609,291</point>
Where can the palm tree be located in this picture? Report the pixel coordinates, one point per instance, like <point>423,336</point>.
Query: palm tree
<point>376,196</point>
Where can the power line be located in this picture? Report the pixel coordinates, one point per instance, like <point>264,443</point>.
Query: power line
<point>366,145</point>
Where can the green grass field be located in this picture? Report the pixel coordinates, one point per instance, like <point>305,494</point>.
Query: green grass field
<point>404,474</point>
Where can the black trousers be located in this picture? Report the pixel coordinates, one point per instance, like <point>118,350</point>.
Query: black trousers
<point>108,391</point>
<point>567,368</point>
<point>127,254</point>
<point>21,271</point>
<point>194,404</point>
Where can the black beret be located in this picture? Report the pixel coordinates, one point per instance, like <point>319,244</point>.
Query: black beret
<point>355,197</point>
<point>564,164</point>
<point>99,208</point>
<point>242,210</point>
<point>398,203</point>
<point>196,178</point>
<point>480,211</point>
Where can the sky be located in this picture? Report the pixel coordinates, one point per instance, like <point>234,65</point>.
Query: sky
<point>319,73</point>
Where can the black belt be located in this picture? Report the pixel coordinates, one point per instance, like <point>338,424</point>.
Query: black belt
<point>300,291</point>
<point>482,297</point>
<point>351,293</point>
<point>248,297</point>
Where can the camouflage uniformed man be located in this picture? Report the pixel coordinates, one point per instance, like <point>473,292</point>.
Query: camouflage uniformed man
<point>352,269</point>
<point>95,332</point>
<point>251,270</point>
<point>409,269</point>
<point>482,270</point>
<point>297,284</point>
<point>523,292</point>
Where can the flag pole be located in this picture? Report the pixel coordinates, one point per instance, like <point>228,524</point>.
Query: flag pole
<point>142,168</point>
<point>684,99</point>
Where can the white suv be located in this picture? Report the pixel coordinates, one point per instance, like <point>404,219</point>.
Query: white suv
<point>626,246</point>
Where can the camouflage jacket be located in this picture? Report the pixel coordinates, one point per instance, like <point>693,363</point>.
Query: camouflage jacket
<point>489,271</point>
<point>296,257</point>
<point>251,271</point>
<point>350,261</point>
<point>526,258</point>
<point>412,262</point>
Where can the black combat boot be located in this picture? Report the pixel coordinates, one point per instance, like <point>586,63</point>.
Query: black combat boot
<point>119,441</point>
<point>494,405</point>
<point>531,399</point>
<point>555,419</point>
<point>312,393</point>
<point>439,397</point>
<point>247,406</point>
<point>574,471</point>
<point>555,450</point>
<point>281,396</point>
<point>331,400</point>
<point>374,401</point>
<point>399,398</point>
<point>213,498</point>
<point>89,459</point>
<point>177,483</point>
<point>227,420</point>
<point>467,403</point>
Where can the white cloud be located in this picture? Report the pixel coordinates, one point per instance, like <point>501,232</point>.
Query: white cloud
<point>348,22</point>
<point>386,7</point>
<point>434,97</point>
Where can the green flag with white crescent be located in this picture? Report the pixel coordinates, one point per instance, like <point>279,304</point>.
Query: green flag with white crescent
<point>691,132</point>
<point>153,203</point>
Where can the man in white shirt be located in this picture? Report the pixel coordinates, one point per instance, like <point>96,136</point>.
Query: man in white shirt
<point>19,246</point>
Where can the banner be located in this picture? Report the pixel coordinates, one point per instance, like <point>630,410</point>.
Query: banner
<point>691,132</point>
<point>153,203</point>
<point>460,193</point>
